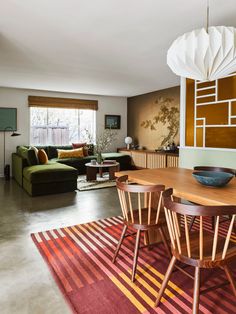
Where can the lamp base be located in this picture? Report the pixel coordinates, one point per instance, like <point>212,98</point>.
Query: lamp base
<point>128,146</point>
<point>7,172</point>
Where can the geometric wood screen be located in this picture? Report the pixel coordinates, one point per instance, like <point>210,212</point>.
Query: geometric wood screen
<point>211,113</point>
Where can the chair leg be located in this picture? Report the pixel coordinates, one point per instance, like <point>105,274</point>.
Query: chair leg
<point>230,279</point>
<point>192,222</point>
<point>166,279</point>
<point>164,240</point>
<point>136,254</point>
<point>146,238</point>
<point>213,222</point>
<point>196,291</point>
<point>119,243</point>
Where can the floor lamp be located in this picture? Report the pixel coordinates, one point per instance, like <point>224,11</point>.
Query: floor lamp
<point>7,167</point>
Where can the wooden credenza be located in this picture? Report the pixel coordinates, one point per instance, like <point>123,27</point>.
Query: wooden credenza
<point>150,159</point>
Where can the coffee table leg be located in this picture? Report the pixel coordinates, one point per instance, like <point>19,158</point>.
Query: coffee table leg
<point>112,171</point>
<point>100,172</point>
<point>91,173</point>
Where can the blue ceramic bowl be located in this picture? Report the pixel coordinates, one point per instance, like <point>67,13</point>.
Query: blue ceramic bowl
<point>213,178</point>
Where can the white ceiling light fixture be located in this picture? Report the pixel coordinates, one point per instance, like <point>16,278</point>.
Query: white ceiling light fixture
<point>204,54</point>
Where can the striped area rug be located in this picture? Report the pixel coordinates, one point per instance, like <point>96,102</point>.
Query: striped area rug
<point>80,260</point>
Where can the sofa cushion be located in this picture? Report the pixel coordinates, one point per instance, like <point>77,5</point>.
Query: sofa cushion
<point>50,172</point>
<point>29,154</point>
<point>71,153</point>
<point>22,151</point>
<point>52,150</point>
<point>42,156</point>
<point>32,158</point>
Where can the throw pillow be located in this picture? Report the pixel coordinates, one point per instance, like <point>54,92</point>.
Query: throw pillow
<point>32,158</point>
<point>78,145</point>
<point>36,152</point>
<point>42,156</point>
<point>22,151</point>
<point>74,153</point>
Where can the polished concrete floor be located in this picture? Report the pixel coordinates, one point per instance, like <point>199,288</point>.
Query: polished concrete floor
<point>26,285</point>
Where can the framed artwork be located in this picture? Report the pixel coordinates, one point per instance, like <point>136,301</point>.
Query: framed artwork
<point>8,119</point>
<point>112,121</point>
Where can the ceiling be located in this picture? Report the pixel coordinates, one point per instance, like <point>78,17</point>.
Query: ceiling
<point>104,47</point>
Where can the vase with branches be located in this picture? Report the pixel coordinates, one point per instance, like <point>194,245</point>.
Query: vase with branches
<point>102,142</point>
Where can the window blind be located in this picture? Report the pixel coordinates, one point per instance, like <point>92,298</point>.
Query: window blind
<point>56,102</point>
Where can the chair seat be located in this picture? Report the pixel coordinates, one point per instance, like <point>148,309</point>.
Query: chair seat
<point>143,224</point>
<point>207,249</point>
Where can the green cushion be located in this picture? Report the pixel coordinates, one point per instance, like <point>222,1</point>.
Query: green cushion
<point>22,151</point>
<point>32,158</point>
<point>28,154</point>
<point>50,172</point>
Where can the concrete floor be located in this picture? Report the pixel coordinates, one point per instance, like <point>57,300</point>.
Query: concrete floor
<point>26,285</point>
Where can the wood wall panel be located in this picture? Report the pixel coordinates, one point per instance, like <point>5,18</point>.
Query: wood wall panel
<point>223,137</point>
<point>205,99</point>
<point>199,134</point>
<point>189,135</point>
<point>206,84</point>
<point>205,92</point>
<point>218,113</point>
<point>227,88</point>
<point>214,114</point>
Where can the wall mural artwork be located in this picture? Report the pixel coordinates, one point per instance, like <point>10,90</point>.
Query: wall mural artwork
<point>153,118</point>
<point>168,115</point>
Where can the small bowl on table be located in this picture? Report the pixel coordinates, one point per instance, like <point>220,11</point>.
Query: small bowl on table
<point>213,178</point>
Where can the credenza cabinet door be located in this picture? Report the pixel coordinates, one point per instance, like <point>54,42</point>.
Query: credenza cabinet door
<point>156,161</point>
<point>172,161</point>
<point>139,159</point>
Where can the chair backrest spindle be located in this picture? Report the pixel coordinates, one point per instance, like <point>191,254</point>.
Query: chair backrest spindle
<point>201,243</point>
<point>140,204</point>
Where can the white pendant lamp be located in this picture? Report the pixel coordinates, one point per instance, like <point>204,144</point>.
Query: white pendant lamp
<point>205,54</point>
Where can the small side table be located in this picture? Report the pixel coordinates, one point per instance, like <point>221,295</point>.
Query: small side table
<point>91,170</point>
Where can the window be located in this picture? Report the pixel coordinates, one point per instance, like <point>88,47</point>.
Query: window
<point>60,126</point>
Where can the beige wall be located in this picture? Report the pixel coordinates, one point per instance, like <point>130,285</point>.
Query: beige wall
<point>13,97</point>
<point>142,111</point>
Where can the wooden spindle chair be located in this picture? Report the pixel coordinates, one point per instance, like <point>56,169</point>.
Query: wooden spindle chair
<point>217,169</point>
<point>199,248</point>
<point>140,214</point>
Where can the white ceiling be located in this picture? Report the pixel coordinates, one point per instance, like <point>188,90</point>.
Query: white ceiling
<point>106,47</point>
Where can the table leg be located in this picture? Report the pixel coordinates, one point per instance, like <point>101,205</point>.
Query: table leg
<point>112,171</point>
<point>91,173</point>
<point>100,172</point>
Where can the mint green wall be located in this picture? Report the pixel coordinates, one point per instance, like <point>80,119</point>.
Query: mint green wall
<point>190,157</point>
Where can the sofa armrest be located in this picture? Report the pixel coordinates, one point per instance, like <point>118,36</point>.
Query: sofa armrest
<point>18,164</point>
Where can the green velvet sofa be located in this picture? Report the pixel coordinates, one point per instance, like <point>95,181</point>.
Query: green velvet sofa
<point>58,175</point>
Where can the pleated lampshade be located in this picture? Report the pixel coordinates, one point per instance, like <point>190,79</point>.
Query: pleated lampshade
<point>202,55</point>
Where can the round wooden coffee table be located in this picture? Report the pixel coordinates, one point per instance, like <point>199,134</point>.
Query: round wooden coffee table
<point>92,169</point>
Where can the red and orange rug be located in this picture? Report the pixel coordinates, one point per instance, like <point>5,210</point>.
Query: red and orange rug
<point>80,260</point>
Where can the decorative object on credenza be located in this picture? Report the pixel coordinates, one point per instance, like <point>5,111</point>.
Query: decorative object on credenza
<point>213,178</point>
<point>204,54</point>
<point>7,167</point>
<point>167,114</point>
<point>128,141</point>
<point>112,121</point>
